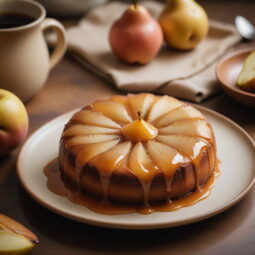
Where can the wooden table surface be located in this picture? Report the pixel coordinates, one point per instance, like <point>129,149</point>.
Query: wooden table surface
<point>70,86</point>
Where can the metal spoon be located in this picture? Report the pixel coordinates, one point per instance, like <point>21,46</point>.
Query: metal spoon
<point>245,28</point>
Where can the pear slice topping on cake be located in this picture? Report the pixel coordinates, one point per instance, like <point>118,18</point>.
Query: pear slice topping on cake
<point>141,164</point>
<point>91,150</point>
<point>183,112</point>
<point>191,127</point>
<point>141,103</point>
<point>165,157</point>
<point>87,139</point>
<point>88,117</point>
<point>163,105</point>
<point>113,110</point>
<point>139,130</point>
<point>186,145</point>
<point>112,158</point>
<point>78,130</point>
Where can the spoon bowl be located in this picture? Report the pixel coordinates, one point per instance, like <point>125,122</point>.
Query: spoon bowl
<point>245,28</point>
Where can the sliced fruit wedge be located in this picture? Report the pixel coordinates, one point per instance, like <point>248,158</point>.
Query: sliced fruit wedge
<point>14,237</point>
<point>141,165</point>
<point>91,150</point>
<point>120,99</point>
<point>139,130</point>
<point>140,103</point>
<point>183,112</point>
<point>124,101</point>
<point>87,139</point>
<point>161,106</point>
<point>190,127</point>
<point>11,243</point>
<point>7,223</point>
<point>80,129</point>
<point>113,110</point>
<point>246,78</point>
<point>165,157</point>
<point>186,145</point>
<point>94,118</point>
<point>112,158</point>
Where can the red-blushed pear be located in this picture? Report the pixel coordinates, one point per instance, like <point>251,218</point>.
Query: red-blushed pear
<point>13,122</point>
<point>136,37</point>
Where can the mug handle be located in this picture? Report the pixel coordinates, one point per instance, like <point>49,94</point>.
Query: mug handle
<point>61,42</point>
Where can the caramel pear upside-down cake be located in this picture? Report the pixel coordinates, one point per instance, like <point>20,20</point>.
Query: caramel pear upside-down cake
<point>137,149</point>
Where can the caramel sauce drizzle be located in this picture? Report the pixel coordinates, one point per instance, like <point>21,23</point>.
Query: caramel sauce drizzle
<point>60,186</point>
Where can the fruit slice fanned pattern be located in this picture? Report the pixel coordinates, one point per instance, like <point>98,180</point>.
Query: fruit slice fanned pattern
<point>89,117</point>
<point>186,145</point>
<point>179,113</point>
<point>113,110</point>
<point>191,127</point>
<point>90,139</point>
<point>140,104</point>
<point>78,130</point>
<point>182,133</point>
<point>91,150</point>
<point>161,106</point>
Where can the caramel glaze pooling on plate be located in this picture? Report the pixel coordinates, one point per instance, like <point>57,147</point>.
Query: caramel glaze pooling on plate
<point>144,135</point>
<point>58,184</point>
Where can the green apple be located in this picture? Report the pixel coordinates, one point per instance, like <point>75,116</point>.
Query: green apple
<point>13,122</point>
<point>14,237</point>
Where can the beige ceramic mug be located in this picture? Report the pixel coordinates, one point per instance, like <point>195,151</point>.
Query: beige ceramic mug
<point>24,57</point>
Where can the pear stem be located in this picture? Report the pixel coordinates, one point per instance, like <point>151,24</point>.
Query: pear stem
<point>139,115</point>
<point>134,3</point>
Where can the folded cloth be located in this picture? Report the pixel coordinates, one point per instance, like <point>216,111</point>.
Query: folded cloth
<point>183,74</point>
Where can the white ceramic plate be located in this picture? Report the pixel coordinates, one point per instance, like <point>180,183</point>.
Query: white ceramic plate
<point>236,151</point>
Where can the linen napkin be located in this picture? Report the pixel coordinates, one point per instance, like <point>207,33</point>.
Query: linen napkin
<point>183,74</point>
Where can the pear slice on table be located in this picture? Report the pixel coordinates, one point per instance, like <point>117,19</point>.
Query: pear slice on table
<point>11,243</point>
<point>246,78</point>
<point>14,237</point>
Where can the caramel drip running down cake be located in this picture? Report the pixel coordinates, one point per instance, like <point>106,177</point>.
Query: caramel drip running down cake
<point>139,149</point>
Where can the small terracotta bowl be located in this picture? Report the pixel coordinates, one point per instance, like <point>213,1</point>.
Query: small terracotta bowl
<point>227,71</point>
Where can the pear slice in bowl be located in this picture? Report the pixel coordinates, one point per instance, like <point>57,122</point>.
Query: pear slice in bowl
<point>246,78</point>
<point>227,72</point>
